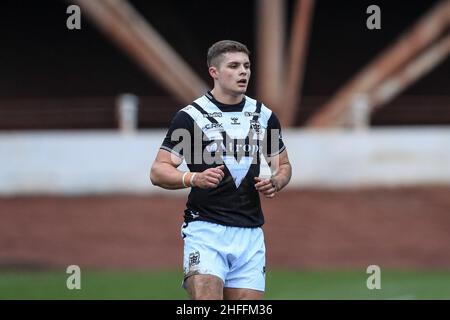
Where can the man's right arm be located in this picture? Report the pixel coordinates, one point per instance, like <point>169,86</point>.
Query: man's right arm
<point>164,173</point>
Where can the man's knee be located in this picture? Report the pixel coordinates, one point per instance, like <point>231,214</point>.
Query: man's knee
<point>204,287</point>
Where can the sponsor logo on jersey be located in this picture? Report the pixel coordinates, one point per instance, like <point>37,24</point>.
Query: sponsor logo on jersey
<point>235,120</point>
<point>230,147</point>
<point>252,114</point>
<point>213,115</point>
<point>193,214</point>
<point>212,125</point>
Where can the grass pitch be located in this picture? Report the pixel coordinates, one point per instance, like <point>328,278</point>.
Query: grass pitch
<point>281,284</point>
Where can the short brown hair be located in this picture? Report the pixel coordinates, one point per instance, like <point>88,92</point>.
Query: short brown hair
<point>224,46</point>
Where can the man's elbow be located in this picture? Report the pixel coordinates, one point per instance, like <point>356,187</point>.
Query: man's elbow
<point>154,176</point>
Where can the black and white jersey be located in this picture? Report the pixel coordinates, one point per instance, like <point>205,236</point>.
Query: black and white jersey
<point>208,133</point>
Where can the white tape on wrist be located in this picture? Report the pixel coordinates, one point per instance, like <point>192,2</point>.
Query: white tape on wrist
<point>191,181</point>
<point>182,179</point>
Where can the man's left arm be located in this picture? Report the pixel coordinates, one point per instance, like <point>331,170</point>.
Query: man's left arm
<point>281,174</point>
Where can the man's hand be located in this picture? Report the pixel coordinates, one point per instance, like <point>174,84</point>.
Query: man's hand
<point>266,186</point>
<point>210,178</point>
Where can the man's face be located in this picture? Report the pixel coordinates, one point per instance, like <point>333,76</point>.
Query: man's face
<point>233,72</point>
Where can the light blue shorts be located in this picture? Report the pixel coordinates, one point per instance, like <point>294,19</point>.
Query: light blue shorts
<point>235,255</point>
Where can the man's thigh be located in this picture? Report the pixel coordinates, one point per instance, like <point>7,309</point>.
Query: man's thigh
<point>247,272</point>
<point>202,252</point>
<point>204,287</point>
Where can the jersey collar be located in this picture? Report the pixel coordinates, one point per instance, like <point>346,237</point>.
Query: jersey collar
<point>226,107</point>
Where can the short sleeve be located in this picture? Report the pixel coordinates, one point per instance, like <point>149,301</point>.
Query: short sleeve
<point>273,137</point>
<point>180,130</point>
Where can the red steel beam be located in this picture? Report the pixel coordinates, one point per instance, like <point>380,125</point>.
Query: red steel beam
<point>270,44</point>
<point>129,30</point>
<point>416,69</point>
<point>295,69</point>
<point>422,34</point>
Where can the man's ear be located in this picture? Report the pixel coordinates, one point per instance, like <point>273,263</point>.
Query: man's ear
<point>213,72</point>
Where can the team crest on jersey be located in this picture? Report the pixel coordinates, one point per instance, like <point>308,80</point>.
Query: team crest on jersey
<point>258,131</point>
<point>194,258</point>
<point>254,125</point>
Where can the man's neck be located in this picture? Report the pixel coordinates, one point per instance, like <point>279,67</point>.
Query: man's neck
<point>224,98</point>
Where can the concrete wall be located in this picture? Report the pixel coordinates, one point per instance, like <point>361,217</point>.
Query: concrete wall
<point>101,161</point>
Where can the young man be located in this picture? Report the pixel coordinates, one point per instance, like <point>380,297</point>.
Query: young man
<point>221,136</point>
